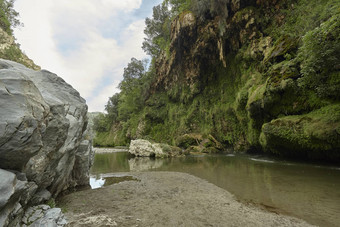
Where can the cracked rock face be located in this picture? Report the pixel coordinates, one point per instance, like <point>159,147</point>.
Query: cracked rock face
<point>144,148</point>
<point>43,215</point>
<point>42,121</point>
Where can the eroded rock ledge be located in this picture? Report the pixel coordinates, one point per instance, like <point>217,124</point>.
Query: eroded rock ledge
<point>42,150</point>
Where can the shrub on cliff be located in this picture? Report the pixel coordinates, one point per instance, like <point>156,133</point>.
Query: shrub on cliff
<point>319,56</point>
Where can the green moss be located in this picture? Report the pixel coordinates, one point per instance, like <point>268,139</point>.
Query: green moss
<point>51,203</point>
<point>313,135</point>
<point>250,101</point>
<point>194,149</point>
<point>256,93</point>
<point>211,150</point>
<point>188,140</point>
<point>281,47</point>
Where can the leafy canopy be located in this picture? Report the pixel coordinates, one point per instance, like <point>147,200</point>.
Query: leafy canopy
<point>8,16</point>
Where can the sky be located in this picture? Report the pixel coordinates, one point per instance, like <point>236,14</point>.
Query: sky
<point>86,42</point>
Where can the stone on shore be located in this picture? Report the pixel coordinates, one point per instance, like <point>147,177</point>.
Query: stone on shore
<point>144,148</point>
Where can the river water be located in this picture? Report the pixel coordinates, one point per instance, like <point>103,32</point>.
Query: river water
<point>310,192</point>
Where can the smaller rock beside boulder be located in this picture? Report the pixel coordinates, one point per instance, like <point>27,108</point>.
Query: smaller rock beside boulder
<point>144,148</point>
<point>44,215</point>
<point>11,192</point>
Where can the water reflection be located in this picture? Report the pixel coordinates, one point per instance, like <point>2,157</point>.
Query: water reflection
<point>145,163</point>
<point>96,183</point>
<point>306,191</point>
<point>110,163</point>
<point>109,179</point>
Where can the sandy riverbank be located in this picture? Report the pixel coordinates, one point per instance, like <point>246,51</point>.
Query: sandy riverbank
<point>110,150</point>
<point>165,199</point>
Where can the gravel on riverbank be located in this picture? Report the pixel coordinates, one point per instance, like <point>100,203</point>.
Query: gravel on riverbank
<point>110,150</point>
<point>165,199</point>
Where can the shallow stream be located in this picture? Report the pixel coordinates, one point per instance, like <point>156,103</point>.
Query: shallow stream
<point>310,192</point>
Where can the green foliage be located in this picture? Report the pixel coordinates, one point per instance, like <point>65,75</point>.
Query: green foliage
<point>112,107</point>
<point>302,16</point>
<point>178,6</point>
<point>125,106</point>
<point>233,102</point>
<point>12,53</point>
<point>51,203</point>
<point>102,123</point>
<point>157,30</point>
<point>104,139</point>
<point>8,16</point>
<point>311,135</point>
<point>319,56</point>
<point>132,73</point>
<point>187,140</point>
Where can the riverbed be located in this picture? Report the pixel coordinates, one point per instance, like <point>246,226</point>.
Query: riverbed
<point>310,192</point>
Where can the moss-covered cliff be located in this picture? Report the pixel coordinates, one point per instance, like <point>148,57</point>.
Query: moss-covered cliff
<point>255,75</point>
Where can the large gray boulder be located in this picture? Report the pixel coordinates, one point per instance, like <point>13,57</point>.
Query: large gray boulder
<point>42,122</point>
<point>144,148</point>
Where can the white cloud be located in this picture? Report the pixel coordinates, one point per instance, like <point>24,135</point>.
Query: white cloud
<point>66,37</point>
<point>98,102</point>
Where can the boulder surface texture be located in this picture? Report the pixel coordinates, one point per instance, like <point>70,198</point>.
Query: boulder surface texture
<point>144,148</point>
<point>42,121</point>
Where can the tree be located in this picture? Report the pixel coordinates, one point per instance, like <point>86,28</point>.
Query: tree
<point>157,30</point>
<point>319,58</point>
<point>8,16</point>
<point>101,123</point>
<point>134,71</point>
<point>178,6</point>
<point>112,107</point>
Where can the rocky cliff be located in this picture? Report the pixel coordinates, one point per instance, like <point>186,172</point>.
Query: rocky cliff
<point>42,149</point>
<point>253,87</point>
<point>257,76</point>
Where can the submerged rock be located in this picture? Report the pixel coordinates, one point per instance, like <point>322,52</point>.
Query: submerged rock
<point>144,148</point>
<point>42,121</point>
